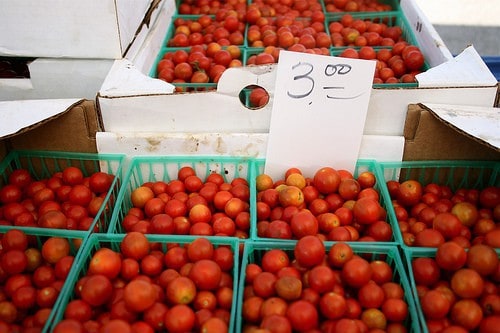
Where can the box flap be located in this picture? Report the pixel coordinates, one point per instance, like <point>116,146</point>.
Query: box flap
<point>20,116</point>
<point>467,69</point>
<point>124,79</point>
<point>429,137</point>
<point>479,123</point>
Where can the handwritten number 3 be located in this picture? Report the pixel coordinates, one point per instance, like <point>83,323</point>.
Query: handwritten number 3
<point>305,76</point>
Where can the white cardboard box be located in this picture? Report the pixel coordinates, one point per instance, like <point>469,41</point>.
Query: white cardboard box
<point>101,29</point>
<point>130,101</point>
<point>78,77</point>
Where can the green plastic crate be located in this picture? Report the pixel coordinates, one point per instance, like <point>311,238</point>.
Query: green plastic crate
<point>97,241</point>
<point>361,165</point>
<point>455,174</point>
<point>411,253</point>
<point>39,236</point>
<point>43,164</point>
<point>254,251</point>
<point>394,4</point>
<point>153,168</point>
<point>390,18</point>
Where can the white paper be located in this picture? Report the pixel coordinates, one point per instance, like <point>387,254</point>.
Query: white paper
<point>319,111</point>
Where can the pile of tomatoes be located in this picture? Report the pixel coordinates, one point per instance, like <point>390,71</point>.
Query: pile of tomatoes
<point>33,270</point>
<point>190,205</point>
<point>67,200</point>
<point>331,203</point>
<point>458,289</point>
<point>428,215</point>
<point>147,287</point>
<point>312,288</point>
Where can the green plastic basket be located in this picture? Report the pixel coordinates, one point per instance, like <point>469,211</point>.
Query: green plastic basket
<point>455,174</point>
<point>43,164</point>
<point>394,5</point>
<point>390,18</point>
<point>411,253</point>
<point>254,251</point>
<point>39,236</point>
<point>153,168</point>
<point>361,165</point>
<point>97,241</point>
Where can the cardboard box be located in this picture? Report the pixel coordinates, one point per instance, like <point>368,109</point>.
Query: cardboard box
<point>62,125</point>
<point>81,75</point>
<point>132,102</point>
<point>99,29</point>
<point>451,132</point>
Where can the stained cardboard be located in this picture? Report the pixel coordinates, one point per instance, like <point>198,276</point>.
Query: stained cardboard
<point>429,137</point>
<point>72,129</point>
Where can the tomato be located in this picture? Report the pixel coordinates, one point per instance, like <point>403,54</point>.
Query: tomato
<point>304,223</point>
<point>448,224</point>
<point>395,309</point>
<point>20,178</point>
<point>321,278</point>
<point>326,180</point>
<point>366,210</point>
<point>371,295</point>
<point>200,248</point>
<point>135,245</point>
<point>466,313</point>
<point>483,259</point>
<point>116,325</point>
<point>356,272</point>
<point>141,195</point>
<point>216,325</point>
<point>489,197</point>
<point>426,271</point>
<point>429,238</point>
<point>288,288</point>
<point>78,309</point>
<point>309,251</point>
<point>339,254</point>
<point>332,305</point>
<point>206,274</point>
<point>263,284</point>
<point>13,261</point>
<point>181,290</point>
<point>10,193</point>
<point>139,295</point>
<point>54,249</point>
<point>46,297</point>
<point>69,326</point>
<point>24,298</point>
<point>467,283</point>
<point>451,256</point>
<point>72,175</point>
<point>106,262</point>
<point>53,219</point>
<point>96,290</point>
<point>179,318</point>
<point>489,324</point>
<point>302,315</point>
<point>273,260</point>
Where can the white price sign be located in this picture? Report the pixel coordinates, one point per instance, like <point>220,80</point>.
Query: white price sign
<point>319,110</point>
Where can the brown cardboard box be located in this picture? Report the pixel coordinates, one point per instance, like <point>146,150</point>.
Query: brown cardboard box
<point>428,137</point>
<point>73,129</point>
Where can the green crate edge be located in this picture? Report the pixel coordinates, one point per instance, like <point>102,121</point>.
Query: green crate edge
<point>44,232</point>
<point>92,242</point>
<point>373,248</point>
<point>386,165</point>
<point>373,166</point>
<point>136,161</point>
<point>13,159</point>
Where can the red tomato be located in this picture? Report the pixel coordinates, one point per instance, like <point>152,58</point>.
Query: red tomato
<point>200,248</point>
<point>332,305</point>
<point>321,278</point>
<point>139,295</point>
<point>69,326</point>
<point>273,260</point>
<point>451,256</point>
<point>100,182</point>
<point>367,210</point>
<point>356,272</point>
<point>180,318</point>
<point>426,271</point>
<point>78,309</point>
<point>96,290</point>
<point>10,193</point>
<point>448,224</point>
<point>181,290</point>
<point>339,254</point>
<point>302,315</point>
<point>483,259</point>
<point>206,274</point>
<point>304,223</point>
<point>54,249</point>
<point>467,283</point>
<point>53,219</point>
<point>466,313</point>
<point>20,178</point>
<point>309,251</point>
<point>72,175</point>
<point>409,193</point>
<point>395,309</point>
<point>106,262</point>
<point>135,245</point>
